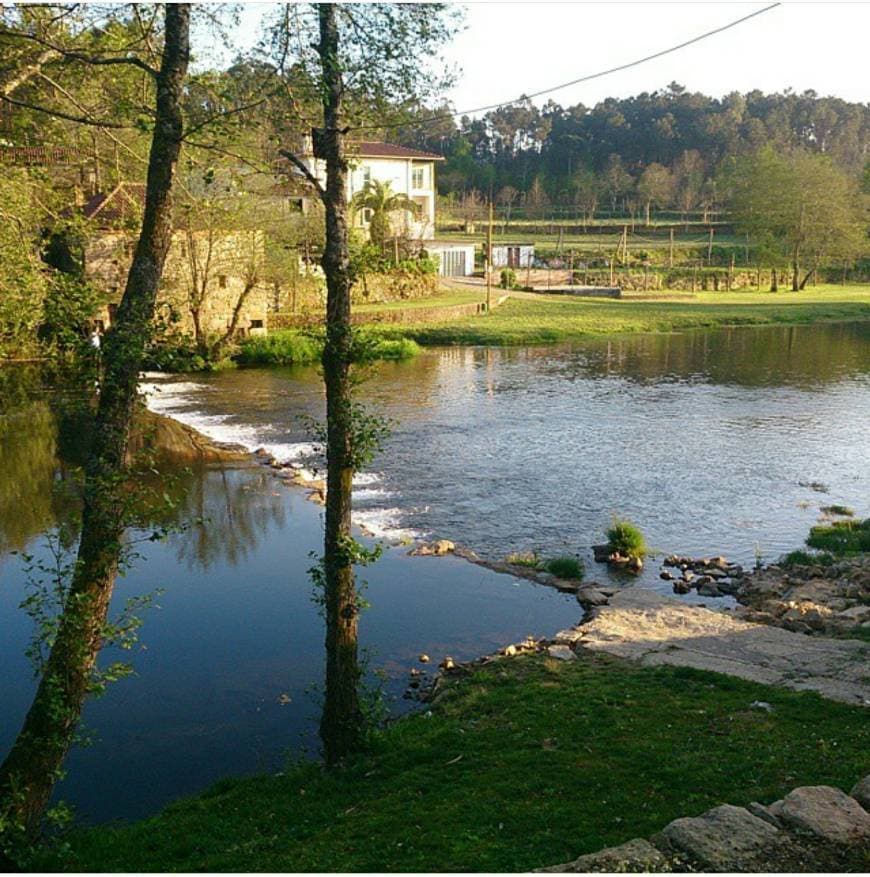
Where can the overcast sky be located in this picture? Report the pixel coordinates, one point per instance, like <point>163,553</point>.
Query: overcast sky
<point>508,49</point>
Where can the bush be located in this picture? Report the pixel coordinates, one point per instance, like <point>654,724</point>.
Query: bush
<point>68,311</point>
<point>805,558</point>
<point>565,566</point>
<point>280,348</point>
<point>508,278</point>
<point>176,354</point>
<point>625,538</point>
<point>291,347</point>
<point>841,537</point>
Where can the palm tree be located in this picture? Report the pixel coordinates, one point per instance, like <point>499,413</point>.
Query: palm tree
<point>382,201</point>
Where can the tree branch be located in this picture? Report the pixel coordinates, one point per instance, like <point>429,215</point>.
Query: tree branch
<point>58,114</point>
<point>224,114</point>
<point>300,165</point>
<point>78,56</point>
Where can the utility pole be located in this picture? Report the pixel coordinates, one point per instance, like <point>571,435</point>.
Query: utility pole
<point>488,260</point>
<point>710,248</point>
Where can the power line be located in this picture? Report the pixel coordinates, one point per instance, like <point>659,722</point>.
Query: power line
<point>507,103</point>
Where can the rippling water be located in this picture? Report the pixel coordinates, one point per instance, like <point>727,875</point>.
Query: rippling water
<point>703,439</point>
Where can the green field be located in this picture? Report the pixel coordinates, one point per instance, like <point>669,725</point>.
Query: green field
<point>526,763</point>
<point>541,319</point>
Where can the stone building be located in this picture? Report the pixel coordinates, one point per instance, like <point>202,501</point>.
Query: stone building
<point>208,275</point>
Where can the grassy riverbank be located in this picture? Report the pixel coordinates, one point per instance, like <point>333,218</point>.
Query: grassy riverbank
<point>528,762</point>
<point>543,319</point>
<point>292,347</point>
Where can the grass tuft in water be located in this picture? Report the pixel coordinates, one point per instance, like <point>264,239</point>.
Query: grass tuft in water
<point>625,538</point>
<point>841,537</point>
<point>842,511</point>
<point>566,566</point>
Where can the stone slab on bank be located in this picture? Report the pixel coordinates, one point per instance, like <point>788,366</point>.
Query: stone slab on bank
<point>641,625</point>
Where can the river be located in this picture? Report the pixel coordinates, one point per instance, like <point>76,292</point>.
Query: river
<point>726,441</point>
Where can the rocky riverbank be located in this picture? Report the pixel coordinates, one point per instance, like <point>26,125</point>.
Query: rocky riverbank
<point>829,600</point>
<point>813,828</point>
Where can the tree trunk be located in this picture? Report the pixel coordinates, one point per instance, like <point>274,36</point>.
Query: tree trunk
<point>32,767</point>
<point>647,213</point>
<point>342,721</point>
<point>795,270</point>
<point>774,285</point>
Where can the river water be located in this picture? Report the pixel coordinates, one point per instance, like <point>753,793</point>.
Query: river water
<point>713,442</point>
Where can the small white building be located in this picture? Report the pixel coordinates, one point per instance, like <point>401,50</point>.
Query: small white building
<point>513,255</point>
<point>454,260</point>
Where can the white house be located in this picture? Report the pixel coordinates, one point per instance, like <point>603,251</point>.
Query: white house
<point>409,172</point>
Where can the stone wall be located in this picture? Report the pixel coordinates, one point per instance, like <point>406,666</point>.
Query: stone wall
<point>226,258</point>
<point>688,279</point>
<point>395,286</point>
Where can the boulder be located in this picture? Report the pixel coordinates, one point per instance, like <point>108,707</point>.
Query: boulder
<point>433,549</point>
<point>569,636</point>
<point>726,838</point>
<point>764,813</point>
<point>589,597</point>
<point>708,589</point>
<point>561,653</point>
<point>861,792</point>
<point>636,855</point>
<point>827,813</point>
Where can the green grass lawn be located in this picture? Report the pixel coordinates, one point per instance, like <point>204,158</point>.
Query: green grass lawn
<point>446,298</point>
<point>544,319</point>
<point>527,762</point>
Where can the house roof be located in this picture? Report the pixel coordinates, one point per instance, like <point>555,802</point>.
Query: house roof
<point>31,156</point>
<point>378,149</point>
<point>125,201</point>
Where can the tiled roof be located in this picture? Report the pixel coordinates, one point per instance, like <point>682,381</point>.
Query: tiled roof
<point>31,156</point>
<point>125,201</point>
<point>377,149</point>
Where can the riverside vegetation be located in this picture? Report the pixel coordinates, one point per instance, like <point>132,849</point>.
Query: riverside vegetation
<point>526,761</point>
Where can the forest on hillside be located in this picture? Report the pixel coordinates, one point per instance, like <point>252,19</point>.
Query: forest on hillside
<point>668,146</point>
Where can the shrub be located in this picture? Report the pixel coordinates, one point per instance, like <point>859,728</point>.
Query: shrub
<point>68,310</point>
<point>524,558</point>
<point>291,347</point>
<point>280,348</point>
<point>625,538</point>
<point>508,278</point>
<point>805,558</point>
<point>841,537</point>
<point>565,566</point>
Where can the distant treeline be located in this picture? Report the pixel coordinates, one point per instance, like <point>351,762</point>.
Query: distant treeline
<point>656,150</point>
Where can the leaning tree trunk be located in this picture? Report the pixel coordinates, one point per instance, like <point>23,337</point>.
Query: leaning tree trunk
<point>32,767</point>
<point>341,722</point>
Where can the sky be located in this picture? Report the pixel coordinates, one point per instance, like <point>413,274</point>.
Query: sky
<point>510,48</point>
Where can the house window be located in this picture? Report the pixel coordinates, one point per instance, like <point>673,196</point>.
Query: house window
<point>418,178</point>
<point>222,281</point>
<point>256,324</point>
<point>366,175</point>
<point>367,215</point>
